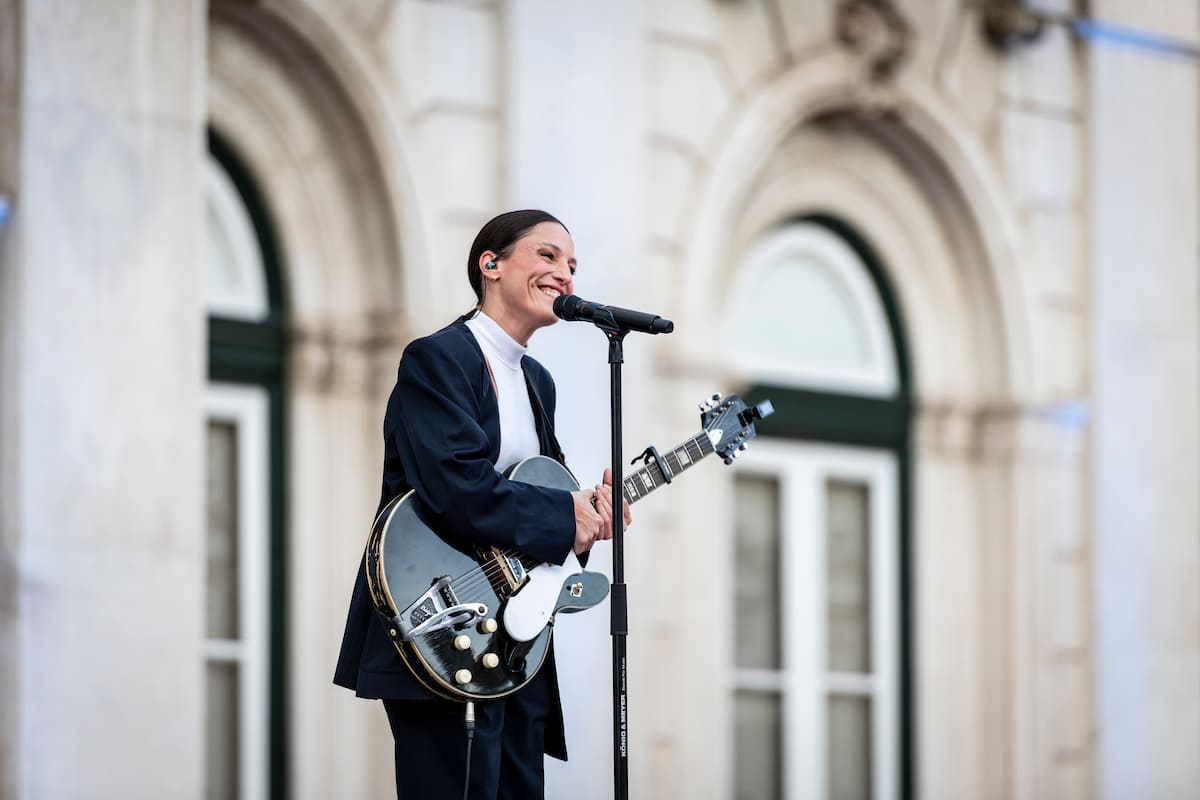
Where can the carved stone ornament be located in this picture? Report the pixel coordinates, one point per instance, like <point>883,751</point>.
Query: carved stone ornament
<point>1009,23</point>
<point>877,32</point>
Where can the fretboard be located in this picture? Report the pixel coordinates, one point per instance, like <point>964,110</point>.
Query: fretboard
<point>649,478</point>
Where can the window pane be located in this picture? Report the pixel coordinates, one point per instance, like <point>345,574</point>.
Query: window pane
<point>838,332</point>
<point>756,568</point>
<point>235,284</point>
<point>758,764</point>
<point>221,731</point>
<point>848,583</point>
<point>849,748</point>
<point>807,292</point>
<point>222,543</point>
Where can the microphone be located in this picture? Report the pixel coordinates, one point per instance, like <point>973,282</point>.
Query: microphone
<point>571,308</point>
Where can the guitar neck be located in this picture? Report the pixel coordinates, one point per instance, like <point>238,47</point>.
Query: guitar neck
<point>649,477</point>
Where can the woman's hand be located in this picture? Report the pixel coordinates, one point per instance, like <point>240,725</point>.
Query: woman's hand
<point>593,514</point>
<point>604,505</point>
<point>587,520</point>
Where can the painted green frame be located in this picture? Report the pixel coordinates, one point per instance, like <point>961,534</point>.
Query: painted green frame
<point>256,353</point>
<point>880,423</point>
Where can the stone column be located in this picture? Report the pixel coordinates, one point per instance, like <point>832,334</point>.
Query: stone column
<point>572,126</point>
<point>1146,463</point>
<point>101,554</point>
<point>10,142</point>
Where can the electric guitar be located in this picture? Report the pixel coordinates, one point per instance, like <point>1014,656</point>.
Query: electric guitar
<point>474,622</point>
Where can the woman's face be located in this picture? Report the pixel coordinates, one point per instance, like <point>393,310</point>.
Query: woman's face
<point>520,292</point>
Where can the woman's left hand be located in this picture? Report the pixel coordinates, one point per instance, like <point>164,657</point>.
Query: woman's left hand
<point>602,500</point>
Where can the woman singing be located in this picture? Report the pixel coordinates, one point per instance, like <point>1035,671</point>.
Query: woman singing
<point>468,401</point>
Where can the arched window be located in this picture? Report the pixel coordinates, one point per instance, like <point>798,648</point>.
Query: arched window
<point>244,591</point>
<point>819,673</point>
<point>235,276</point>
<point>806,314</point>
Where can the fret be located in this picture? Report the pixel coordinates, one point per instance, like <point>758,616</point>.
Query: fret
<point>648,478</point>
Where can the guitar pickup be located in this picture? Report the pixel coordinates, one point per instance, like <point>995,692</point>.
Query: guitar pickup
<point>435,610</point>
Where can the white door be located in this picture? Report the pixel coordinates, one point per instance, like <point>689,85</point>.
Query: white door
<point>816,617</point>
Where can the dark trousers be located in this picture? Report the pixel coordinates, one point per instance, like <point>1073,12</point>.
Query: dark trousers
<point>507,760</point>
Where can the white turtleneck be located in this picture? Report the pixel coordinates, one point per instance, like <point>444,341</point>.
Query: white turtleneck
<point>518,433</point>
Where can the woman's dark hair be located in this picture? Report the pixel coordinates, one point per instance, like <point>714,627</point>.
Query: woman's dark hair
<point>499,235</point>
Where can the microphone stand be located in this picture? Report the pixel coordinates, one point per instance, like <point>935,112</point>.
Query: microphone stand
<point>606,319</point>
<point>619,605</point>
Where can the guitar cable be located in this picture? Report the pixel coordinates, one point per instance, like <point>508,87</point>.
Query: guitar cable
<point>470,725</point>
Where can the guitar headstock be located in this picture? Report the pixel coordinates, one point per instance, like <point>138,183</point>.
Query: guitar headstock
<point>729,423</point>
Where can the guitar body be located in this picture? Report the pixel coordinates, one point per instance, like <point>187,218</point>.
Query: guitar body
<point>477,658</point>
<point>474,623</point>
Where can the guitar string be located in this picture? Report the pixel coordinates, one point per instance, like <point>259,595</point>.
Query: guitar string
<point>494,572</point>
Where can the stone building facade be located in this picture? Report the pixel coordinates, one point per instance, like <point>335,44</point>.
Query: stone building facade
<point>240,211</point>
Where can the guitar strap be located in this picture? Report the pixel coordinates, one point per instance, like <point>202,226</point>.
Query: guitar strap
<point>559,456</point>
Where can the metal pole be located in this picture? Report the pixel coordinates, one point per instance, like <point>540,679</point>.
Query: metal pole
<point>619,602</point>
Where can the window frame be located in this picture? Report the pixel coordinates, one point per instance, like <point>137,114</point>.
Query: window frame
<point>804,682</point>
<point>246,408</point>
<point>821,416</point>
<point>255,353</point>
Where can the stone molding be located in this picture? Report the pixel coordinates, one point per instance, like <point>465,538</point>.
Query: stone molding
<point>346,356</point>
<point>288,88</point>
<point>923,126</point>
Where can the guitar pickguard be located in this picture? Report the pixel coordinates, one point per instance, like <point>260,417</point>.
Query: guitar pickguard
<point>547,589</point>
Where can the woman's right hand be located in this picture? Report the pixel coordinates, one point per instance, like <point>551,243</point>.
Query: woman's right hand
<point>587,521</point>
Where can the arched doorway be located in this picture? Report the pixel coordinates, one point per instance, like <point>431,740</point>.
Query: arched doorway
<point>935,219</point>
<point>317,137</point>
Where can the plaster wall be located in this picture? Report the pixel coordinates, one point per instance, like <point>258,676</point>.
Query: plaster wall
<point>104,364</point>
<point>1144,206</point>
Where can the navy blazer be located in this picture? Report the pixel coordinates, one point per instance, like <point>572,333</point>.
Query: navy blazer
<point>441,438</point>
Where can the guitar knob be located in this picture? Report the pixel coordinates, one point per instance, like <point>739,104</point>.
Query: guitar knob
<point>462,642</point>
<point>491,660</point>
<point>462,677</point>
<point>488,626</point>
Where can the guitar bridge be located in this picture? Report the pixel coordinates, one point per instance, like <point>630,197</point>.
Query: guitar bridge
<point>511,574</point>
<point>437,609</point>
